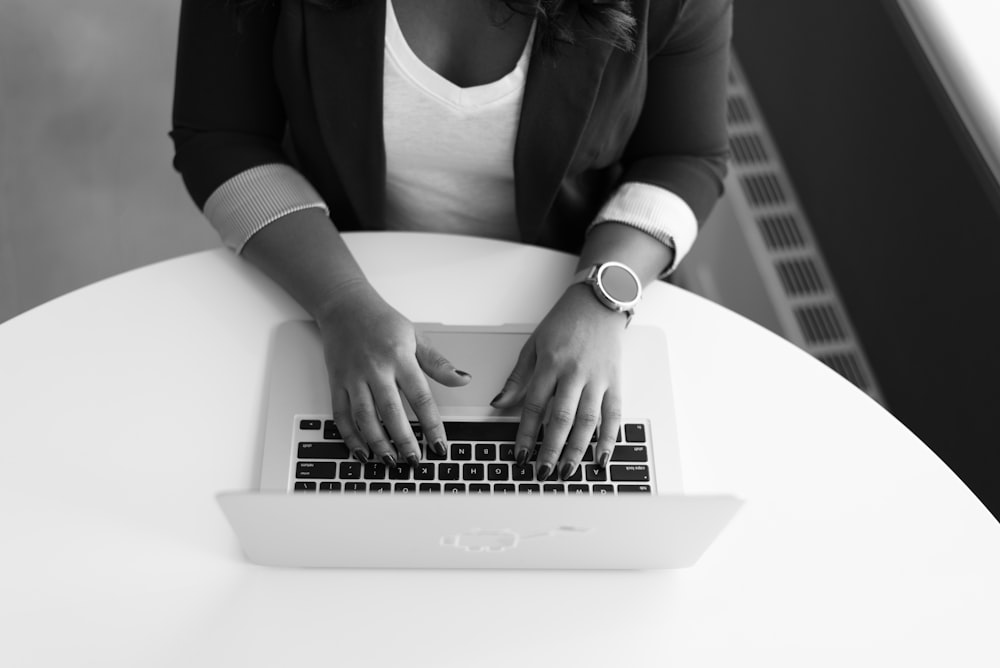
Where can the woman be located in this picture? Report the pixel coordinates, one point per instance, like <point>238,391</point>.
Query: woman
<point>588,126</point>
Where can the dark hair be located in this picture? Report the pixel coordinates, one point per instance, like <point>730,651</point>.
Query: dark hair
<point>609,21</point>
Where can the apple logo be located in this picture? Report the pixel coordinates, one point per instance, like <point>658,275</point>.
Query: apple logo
<point>493,540</point>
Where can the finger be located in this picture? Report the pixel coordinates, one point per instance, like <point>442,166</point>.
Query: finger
<point>611,420</point>
<point>561,418</point>
<point>517,383</point>
<point>345,424</point>
<point>536,400</point>
<point>413,384</point>
<point>363,412</point>
<point>587,416</point>
<point>390,409</point>
<point>437,366</point>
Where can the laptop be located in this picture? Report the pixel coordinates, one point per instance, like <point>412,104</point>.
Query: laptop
<point>473,507</point>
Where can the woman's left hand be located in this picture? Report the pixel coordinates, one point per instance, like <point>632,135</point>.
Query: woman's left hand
<point>570,366</point>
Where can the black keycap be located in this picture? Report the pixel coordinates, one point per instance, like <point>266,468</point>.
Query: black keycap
<point>604,489</point>
<point>527,488</point>
<point>461,452</point>
<point>350,470</point>
<point>595,473</point>
<point>579,489</point>
<point>454,488</point>
<point>479,488</point>
<point>507,452</point>
<point>634,489</point>
<point>330,431</point>
<point>418,432</point>
<point>577,474</point>
<point>305,487</point>
<point>354,486</point>
<point>503,488</point>
<point>593,437</point>
<point>316,470</point>
<point>309,425</point>
<point>447,471</point>
<point>473,471</point>
<point>486,452</point>
<point>430,487</point>
<point>526,472</point>
<point>630,473</point>
<point>329,487</point>
<point>323,451</point>
<point>630,453</point>
<point>405,488</point>
<point>423,471</point>
<point>635,433</point>
<point>379,488</point>
<point>498,471</point>
<point>374,471</point>
<point>554,488</point>
<point>434,457</point>
<point>481,431</point>
<point>399,472</point>
<point>588,455</point>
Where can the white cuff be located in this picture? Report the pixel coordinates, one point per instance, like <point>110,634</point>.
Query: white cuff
<point>247,202</point>
<point>656,211</point>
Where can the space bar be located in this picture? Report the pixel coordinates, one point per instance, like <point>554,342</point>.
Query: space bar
<point>481,431</point>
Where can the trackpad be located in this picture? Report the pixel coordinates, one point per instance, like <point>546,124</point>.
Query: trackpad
<point>488,356</point>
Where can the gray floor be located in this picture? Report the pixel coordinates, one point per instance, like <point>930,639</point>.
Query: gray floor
<point>86,185</point>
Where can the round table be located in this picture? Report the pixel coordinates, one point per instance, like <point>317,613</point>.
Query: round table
<point>127,405</point>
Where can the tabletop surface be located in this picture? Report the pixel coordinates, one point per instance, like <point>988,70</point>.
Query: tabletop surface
<point>127,405</point>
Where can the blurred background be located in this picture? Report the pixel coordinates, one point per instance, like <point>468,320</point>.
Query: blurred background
<point>861,219</point>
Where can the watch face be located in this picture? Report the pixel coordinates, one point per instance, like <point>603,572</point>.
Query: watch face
<point>619,284</point>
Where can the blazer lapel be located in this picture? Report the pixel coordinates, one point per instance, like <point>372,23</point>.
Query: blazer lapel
<point>558,98</point>
<point>345,52</point>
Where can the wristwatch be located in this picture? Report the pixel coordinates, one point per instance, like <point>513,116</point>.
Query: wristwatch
<point>615,286</point>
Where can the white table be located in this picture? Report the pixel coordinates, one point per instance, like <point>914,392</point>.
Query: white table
<point>127,405</point>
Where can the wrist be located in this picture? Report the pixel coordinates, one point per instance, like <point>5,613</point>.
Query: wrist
<point>341,299</point>
<point>581,298</point>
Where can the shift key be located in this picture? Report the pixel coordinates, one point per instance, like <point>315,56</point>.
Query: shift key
<point>323,451</point>
<point>630,473</point>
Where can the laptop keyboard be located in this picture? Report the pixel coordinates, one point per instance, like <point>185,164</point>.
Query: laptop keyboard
<point>480,460</point>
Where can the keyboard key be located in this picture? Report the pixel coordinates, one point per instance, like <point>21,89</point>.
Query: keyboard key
<point>473,471</point>
<point>498,471</point>
<point>479,488</point>
<point>527,488</point>
<point>316,470</point>
<point>503,488</point>
<point>447,471</point>
<point>481,431</point>
<point>399,472</point>
<point>634,489</point>
<point>305,487</point>
<point>486,452</point>
<point>604,489</point>
<point>577,474</point>
<point>430,487</point>
<point>329,487</point>
<point>461,451</point>
<point>423,471</point>
<point>435,457</point>
<point>405,488</point>
<point>595,473</point>
<point>635,433</point>
<point>380,488</point>
<point>630,473</point>
<point>350,470</point>
<point>323,451</point>
<point>526,472</point>
<point>507,452</point>
<point>330,431</point>
<point>554,488</point>
<point>579,489</point>
<point>588,455</point>
<point>454,488</point>
<point>374,471</point>
<point>630,453</point>
<point>355,486</point>
<point>310,425</point>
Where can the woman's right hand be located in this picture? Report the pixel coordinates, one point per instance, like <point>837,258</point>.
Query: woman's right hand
<point>374,356</point>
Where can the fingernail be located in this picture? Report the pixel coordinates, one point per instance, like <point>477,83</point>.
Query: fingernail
<point>389,460</point>
<point>497,398</point>
<point>603,461</point>
<point>567,470</point>
<point>414,460</point>
<point>439,448</point>
<point>522,456</point>
<point>543,471</point>
<point>360,455</point>
<point>463,374</point>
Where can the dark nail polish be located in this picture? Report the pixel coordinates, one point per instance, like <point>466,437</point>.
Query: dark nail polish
<point>389,460</point>
<point>360,455</point>
<point>497,398</point>
<point>603,462</point>
<point>543,472</point>
<point>567,470</point>
<point>462,373</point>
<point>413,460</point>
<point>522,456</point>
<point>440,448</point>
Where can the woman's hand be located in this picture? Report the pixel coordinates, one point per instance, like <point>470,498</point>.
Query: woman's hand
<point>571,366</point>
<point>373,358</point>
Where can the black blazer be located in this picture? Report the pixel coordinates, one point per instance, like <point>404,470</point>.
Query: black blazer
<point>299,84</point>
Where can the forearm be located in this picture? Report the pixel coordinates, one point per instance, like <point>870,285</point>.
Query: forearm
<point>305,254</point>
<point>646,256</point>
